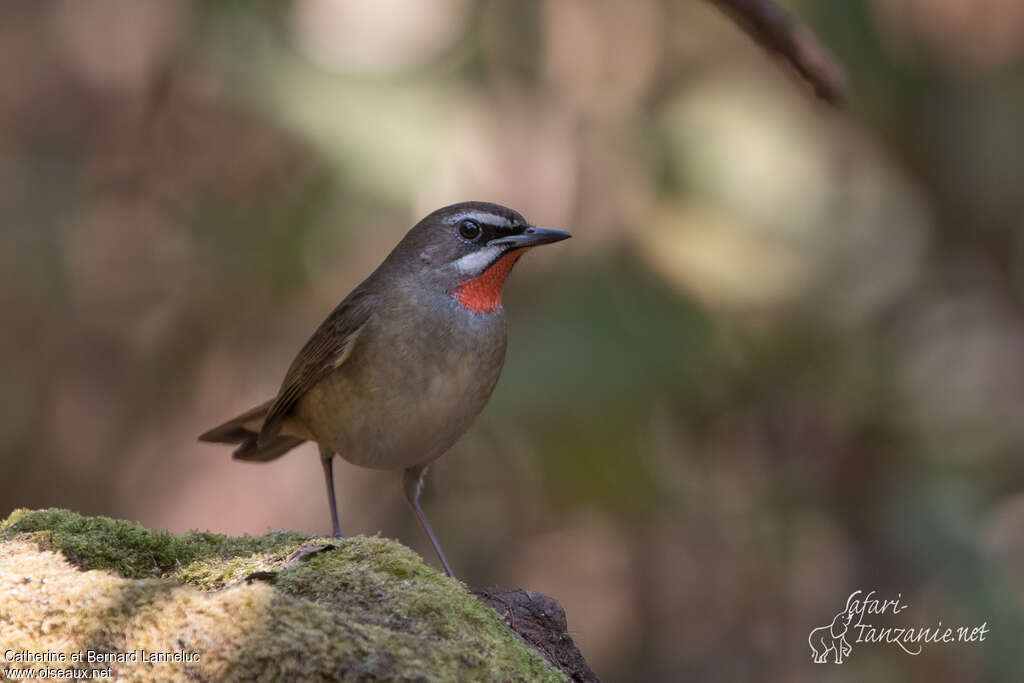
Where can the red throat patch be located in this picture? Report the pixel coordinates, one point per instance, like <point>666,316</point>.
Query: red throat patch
<point>482,294</point>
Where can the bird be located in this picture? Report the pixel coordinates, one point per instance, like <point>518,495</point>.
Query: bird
<point>401,368</point>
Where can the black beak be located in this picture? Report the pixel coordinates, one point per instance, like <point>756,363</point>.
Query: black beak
<point>531,237</point>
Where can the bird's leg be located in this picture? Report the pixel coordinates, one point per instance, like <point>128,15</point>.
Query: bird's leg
<point>412,483</point>
<point>327,460</point>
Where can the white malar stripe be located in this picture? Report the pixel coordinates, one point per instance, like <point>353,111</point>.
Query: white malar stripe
<point>483,217</point>
<point>475,262</point>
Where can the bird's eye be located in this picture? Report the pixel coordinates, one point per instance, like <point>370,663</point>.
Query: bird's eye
<point>469,229</point>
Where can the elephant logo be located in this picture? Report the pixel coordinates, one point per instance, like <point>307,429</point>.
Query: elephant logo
<point>832,638</point>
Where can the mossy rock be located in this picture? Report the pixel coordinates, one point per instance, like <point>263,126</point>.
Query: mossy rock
<point>370,609</point>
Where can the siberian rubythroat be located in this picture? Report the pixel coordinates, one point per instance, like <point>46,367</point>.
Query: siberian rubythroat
<point>404,364</point>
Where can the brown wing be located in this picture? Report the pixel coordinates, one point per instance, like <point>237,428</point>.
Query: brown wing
<point>326,350</point>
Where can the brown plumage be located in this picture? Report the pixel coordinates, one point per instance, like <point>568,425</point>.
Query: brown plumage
<point>404,364</point>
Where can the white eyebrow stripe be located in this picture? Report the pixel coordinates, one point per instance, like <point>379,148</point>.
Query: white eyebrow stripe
<point>475,262</point>
<point>485,217</point>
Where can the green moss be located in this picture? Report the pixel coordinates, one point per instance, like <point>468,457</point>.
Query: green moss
<point>367,572</point>
<point>198,557</point>
<point>369,609</point>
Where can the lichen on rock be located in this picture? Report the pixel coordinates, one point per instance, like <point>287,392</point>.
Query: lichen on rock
<point>369,609</point>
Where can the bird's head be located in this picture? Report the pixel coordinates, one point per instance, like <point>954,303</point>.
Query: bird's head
<point>468,249</point>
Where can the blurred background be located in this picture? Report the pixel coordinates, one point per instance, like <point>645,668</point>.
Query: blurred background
<point>782,358</point>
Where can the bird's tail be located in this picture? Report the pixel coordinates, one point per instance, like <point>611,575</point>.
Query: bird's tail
<point>244,431</point>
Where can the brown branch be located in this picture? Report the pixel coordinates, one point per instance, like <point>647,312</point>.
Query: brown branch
<point>777,32</point>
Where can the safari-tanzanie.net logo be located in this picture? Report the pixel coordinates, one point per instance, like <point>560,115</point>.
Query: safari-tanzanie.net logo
<point>853,625</point>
